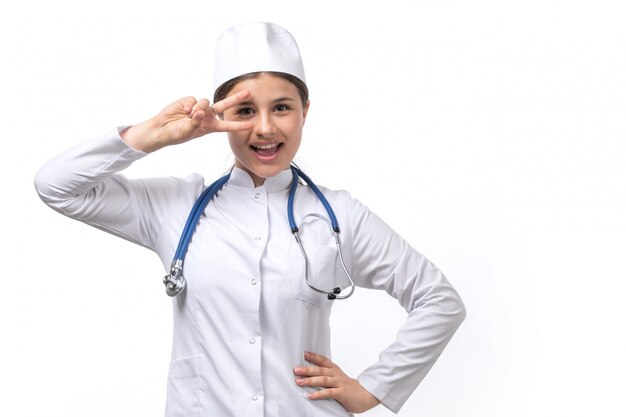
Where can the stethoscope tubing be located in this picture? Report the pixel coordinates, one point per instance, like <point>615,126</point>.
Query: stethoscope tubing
<point>175,281</point>
<point>197,210</point>
<point>292,191</point>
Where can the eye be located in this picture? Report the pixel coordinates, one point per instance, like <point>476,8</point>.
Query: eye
<point>281,107</point>
<point>244,111</point>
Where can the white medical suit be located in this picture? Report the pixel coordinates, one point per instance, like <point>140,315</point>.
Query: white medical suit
<point>247,315</point>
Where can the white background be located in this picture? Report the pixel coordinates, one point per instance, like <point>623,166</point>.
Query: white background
<point>490,134</point>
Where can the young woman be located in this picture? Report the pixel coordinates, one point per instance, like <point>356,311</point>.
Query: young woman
<point>251,316</point>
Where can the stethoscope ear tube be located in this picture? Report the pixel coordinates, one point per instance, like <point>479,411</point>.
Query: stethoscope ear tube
<point>333,294</point>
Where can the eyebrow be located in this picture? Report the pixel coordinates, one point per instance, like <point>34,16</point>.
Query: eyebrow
<point>276,100</point>
<point>282,99</point>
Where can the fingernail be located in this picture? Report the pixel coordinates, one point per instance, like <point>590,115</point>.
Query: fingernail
<point>297,370</point>
<point>299,381</point>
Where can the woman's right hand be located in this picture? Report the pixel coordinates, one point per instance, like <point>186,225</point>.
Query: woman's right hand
<point>183,120</point>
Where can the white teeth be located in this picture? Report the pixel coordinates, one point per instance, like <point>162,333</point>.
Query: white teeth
<point>268,146</point>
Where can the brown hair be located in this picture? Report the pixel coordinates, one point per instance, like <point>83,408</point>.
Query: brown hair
<point>223,90</point>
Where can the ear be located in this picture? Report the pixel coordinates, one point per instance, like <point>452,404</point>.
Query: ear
<point>305,110</point>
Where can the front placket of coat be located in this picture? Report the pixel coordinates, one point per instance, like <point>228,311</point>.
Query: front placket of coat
<point>253,218</point>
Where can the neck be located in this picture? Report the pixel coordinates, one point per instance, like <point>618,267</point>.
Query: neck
<point>258,181</point>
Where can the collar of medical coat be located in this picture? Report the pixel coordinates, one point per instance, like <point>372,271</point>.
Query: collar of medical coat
<point>255,47</point>
<point>280,182</point>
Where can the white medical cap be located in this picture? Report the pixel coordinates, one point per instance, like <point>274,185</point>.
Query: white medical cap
<point>255,47</point>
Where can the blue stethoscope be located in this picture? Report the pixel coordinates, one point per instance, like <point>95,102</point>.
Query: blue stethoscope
<point>175,282</point>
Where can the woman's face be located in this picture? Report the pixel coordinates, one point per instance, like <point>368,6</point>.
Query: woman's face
<point>276,112</point>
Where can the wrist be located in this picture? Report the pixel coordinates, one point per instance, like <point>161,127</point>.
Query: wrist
<point>142,137</point>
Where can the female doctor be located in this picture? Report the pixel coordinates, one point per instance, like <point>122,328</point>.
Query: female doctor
<point>251,320</point>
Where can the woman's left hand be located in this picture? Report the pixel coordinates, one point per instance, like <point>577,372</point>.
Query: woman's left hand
<point>333,384</point>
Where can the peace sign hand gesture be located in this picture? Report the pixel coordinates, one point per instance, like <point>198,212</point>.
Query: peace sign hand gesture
<point>183,120</point>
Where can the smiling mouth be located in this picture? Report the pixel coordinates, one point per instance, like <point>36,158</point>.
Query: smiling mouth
<point>268,149</point>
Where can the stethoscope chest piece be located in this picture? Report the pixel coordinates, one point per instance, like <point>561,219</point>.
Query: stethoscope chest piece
<point>175,282</point>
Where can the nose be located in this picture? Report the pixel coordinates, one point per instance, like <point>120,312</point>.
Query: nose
<point>264,126</point>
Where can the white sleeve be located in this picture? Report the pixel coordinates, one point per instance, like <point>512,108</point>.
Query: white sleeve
<point>83,183</point>
<point>383,260</point>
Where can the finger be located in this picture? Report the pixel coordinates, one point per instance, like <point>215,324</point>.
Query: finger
<point>187,104</point>
<point>318,381</point>
<point>222,126</point>
<point>197,117</point>
<point>329,393</point>
<point>312,371</point>
<point>318,359</point>
<point>202,104</point>
<point>194,122</point>
<point>230,101</point>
